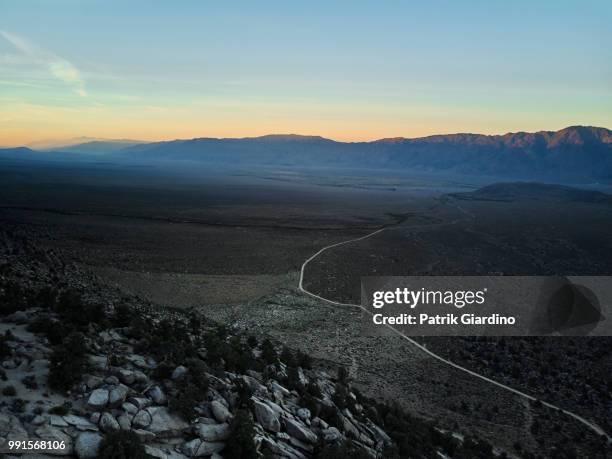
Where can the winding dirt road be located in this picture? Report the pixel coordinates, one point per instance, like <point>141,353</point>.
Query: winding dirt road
<point>592,426</point>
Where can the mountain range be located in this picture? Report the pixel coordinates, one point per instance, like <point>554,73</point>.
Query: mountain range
<point>574,154</point>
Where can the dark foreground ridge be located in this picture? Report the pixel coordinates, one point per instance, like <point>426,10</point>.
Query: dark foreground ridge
<point>516,191</point>
<point>111,376</point>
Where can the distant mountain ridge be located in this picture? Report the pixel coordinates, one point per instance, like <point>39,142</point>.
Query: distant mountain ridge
<point>98,146</point>
<point>44,145</point>
<point>576,153</point>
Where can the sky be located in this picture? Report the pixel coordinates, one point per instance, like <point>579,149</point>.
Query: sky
<point>347,70</point>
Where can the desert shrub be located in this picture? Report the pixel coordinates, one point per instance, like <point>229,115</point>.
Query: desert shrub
<point>168,339</point>
<point>191,391</point>
<point>304,360</point>
<point>241,444</point>
<point>68,362</point>
<point>30,382</point>
<point>268,353</point>
<point>122,315</point>
<point>197,373</point>
<point>313,389</point>
<point>231,355</point>
<point>140,327</point>
<point>121,444</point>
<point>340,397</point>
<point>196,322</point>
<point>252,341</point>
<point>330,415</point>
<point>9,391</point>
<point>244,394</point>
<point>13,298</point>
<point>163,371</point>
<point>287,357</point>
<point>61,410</point>
<point>117,360</point>
<point>237,355</point>
<point>18,405</point>
<point>77,312</point>
<point>184,401</point>
<point>54,330</point>
<point>46,297</point>
<point>312,404</point>
<point>343,375</point>
<point>341,449</point>
<point>220,331</point>
<point>214,350</point>
<point>293,380</point>
<point>5,350</point>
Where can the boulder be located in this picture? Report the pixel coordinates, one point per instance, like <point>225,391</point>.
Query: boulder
<point>299,431</point>
<point>9,364</point>
<point>142,419</point>
<point>112,380</point>
<point>320,423</point>
<point>139,402</point>
<point>141,362</point>
<point>200,448</point>
<point>126,376</point>
<point>303,414</point>
<point>301,445</point>
<point>57,421</point>
<point>51,433</point>
<point>179,372</point>
<point>276,387</point>
<point>140,377</point>
<point>87,445</point>
<point>129,408</point>
<point>331,435</point>
<point>380,434</point>
<point>125,422</point>
<point>348,427</point>
<point>79,422</point>
<point>216,432</point>
<point>18,317</point>
<point>117,395</point>
<point>93,382</point>
<point>157,395</point>
<point>219,411</point>
<point>266,416</point>
<point>144,435</point>
<point>205,420</point>
<point>98,399</point>
<point>108,423</point>
<point>275,407</point>
<point>164,424</point>
<point>254,384</point>
<point>190,448</point>
<point>282,449</point>
<point>208,448</point>
<point>302,379</point>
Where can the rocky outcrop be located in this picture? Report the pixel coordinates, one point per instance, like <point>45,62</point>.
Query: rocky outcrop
<point>266,416</point>
<point>87,445</point>
<point>176,405</point>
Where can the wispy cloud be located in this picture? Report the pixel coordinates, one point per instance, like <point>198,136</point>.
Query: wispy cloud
<point>58,66</point>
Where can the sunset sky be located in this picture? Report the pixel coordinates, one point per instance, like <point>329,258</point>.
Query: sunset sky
<point>347,70</point>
